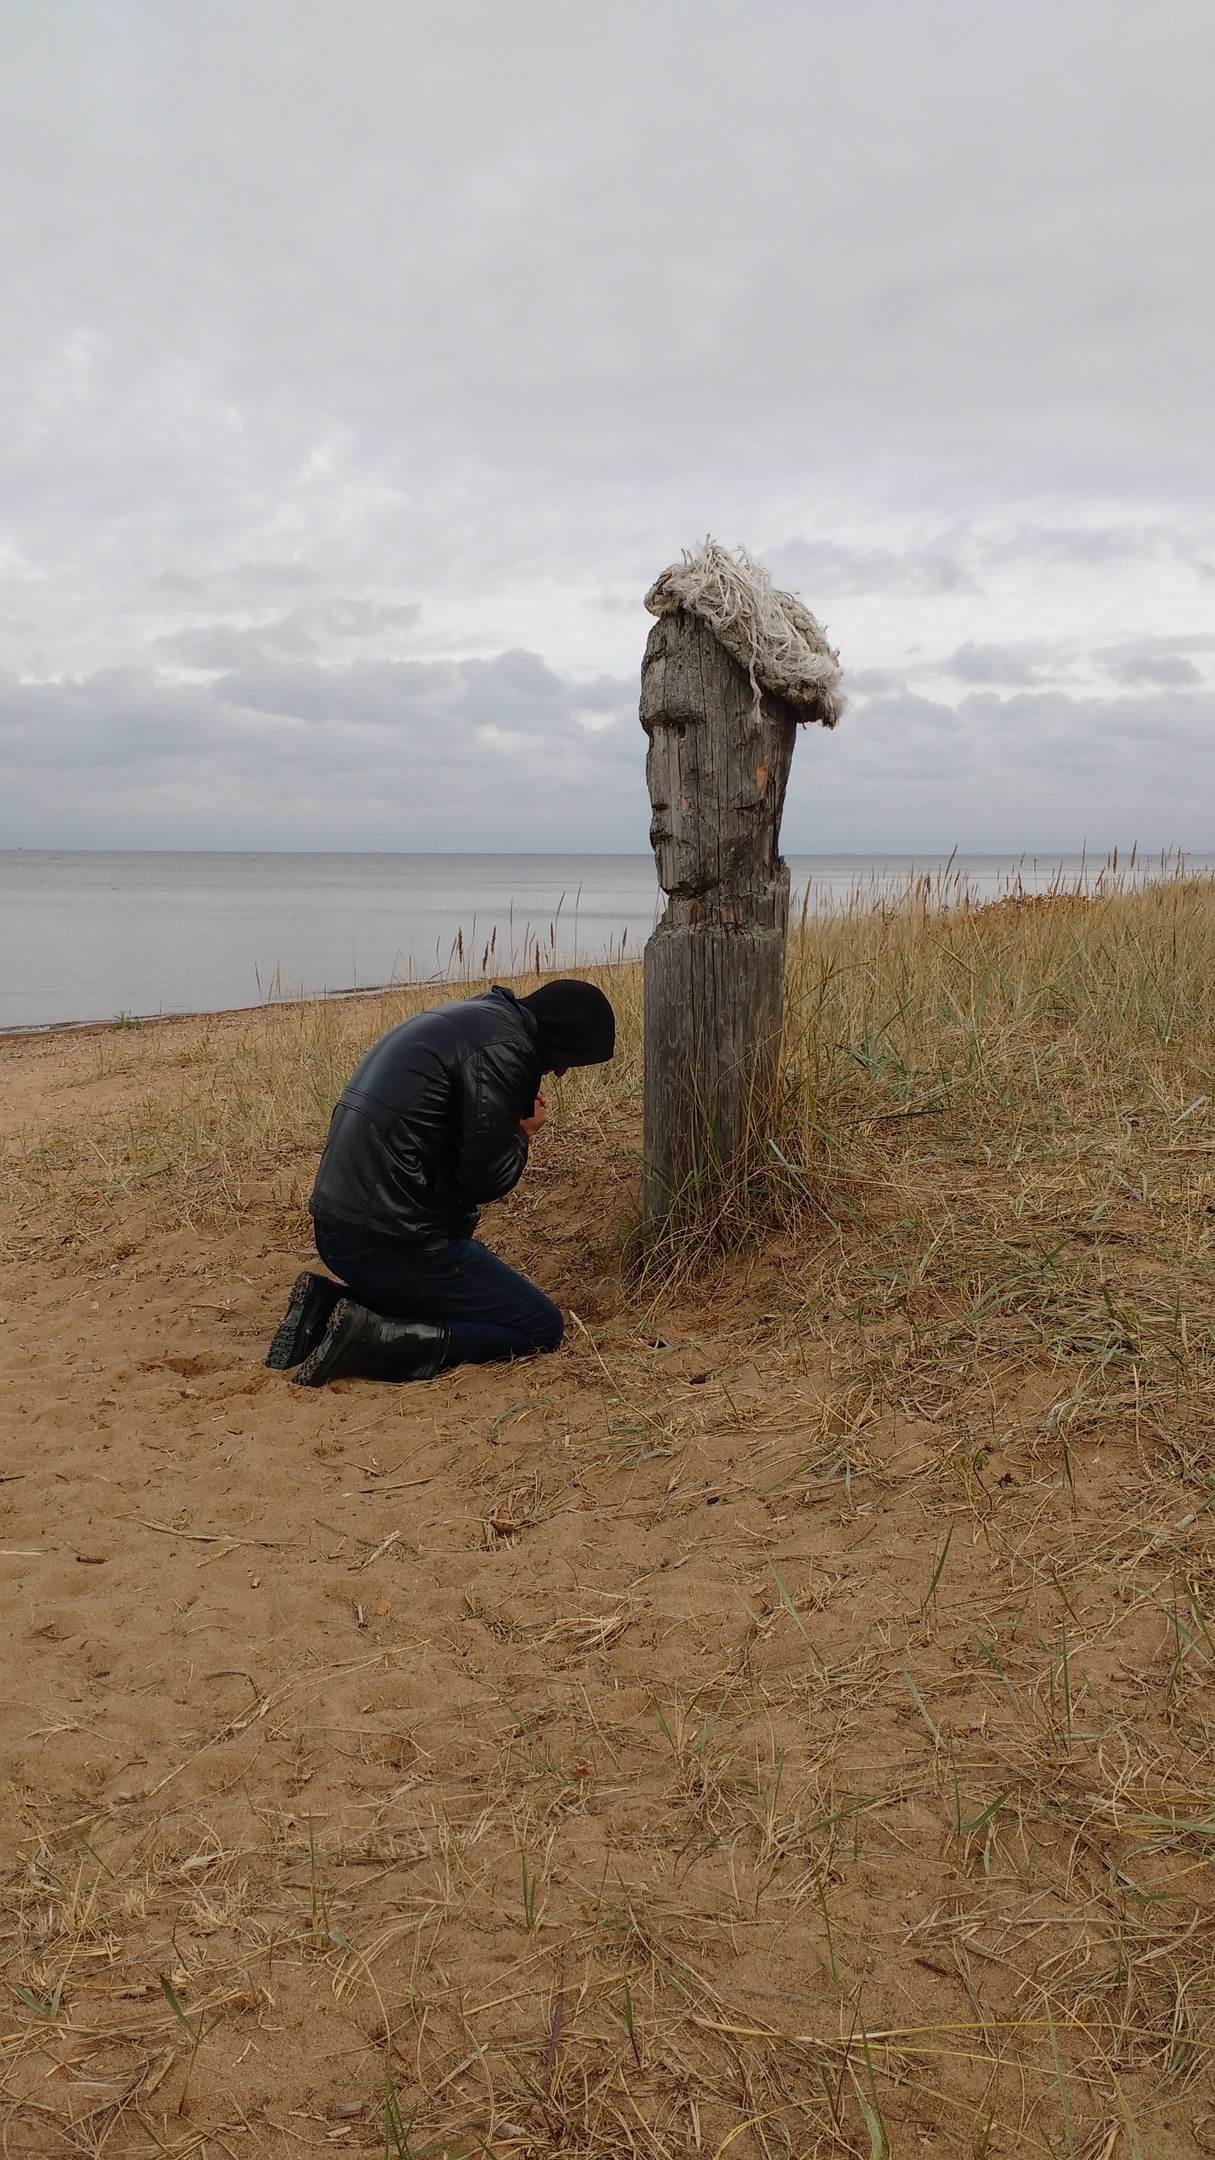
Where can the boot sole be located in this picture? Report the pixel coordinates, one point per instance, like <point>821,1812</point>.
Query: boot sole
<point>296,1334</point>
<point>316,1366</point>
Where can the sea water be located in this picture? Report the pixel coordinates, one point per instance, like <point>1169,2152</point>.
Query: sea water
<point>87,936</point>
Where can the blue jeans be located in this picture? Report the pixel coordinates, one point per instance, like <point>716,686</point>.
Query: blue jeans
<point>493,1312</point>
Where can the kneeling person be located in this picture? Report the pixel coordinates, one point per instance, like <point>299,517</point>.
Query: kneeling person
<point>434,1123</point>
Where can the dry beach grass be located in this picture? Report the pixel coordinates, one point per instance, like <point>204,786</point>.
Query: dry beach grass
<point>779,1724</point>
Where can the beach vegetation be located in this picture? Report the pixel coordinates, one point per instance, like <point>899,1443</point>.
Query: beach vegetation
<point>809,1745</point>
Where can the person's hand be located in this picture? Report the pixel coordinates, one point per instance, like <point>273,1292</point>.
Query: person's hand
<point>531,1125</point>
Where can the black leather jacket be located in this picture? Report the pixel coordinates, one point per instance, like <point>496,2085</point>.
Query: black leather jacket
<point>427,1128</point>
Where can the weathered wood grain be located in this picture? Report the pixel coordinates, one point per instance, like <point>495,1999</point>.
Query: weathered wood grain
<point>717,769</point>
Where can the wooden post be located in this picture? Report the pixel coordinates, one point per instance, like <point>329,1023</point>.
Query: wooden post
<point>716,769</point>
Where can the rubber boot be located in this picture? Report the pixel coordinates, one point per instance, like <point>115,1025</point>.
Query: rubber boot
<point>362,1345</point>
<point>309,1310</point>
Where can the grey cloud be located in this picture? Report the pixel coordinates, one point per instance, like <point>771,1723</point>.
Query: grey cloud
<point>1182,641</point>
<point>1039,770</point>
<point>213,646</point>
<point>1186,641</point>
<point>906,732</point>
<point>824,567</point>
<point>251,576</point>
<point>1170,671</point>
<point>176,581</point>
<point>1127,547</point>
<point>474,753</point>
<point>607,694</point>
<point>273,573</point>
<point>1049,726</point>
<point>219,645</point>
<point>1013,664</point>
<point>971,560</point>
<point>1087,545</point>
<point>361,618</point>
<point>624,604</point>
<point>492,754</point>
<point>1155,659</point>
<point>867,682</point>
<point>515,689</point>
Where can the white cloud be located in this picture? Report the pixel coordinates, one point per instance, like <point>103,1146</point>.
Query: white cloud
<point>342,343</point>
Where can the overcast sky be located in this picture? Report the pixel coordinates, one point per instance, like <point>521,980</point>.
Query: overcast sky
<point>362,361</point>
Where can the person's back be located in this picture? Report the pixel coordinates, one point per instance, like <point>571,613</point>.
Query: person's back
<point>429,1126</point>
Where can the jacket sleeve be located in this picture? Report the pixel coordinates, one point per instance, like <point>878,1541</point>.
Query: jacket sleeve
<point>497,1090</point>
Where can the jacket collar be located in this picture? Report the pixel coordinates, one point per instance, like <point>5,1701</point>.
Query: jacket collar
<point>528,1019</point>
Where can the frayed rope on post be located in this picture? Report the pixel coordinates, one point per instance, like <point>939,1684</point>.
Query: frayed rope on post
<point>780,643</point>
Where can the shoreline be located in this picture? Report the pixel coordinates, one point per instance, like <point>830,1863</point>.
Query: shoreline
<point>39,1030</point>
<point>42,1030</point>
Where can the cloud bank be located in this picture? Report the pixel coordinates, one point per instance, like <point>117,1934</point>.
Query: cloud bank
<point>508,754</point>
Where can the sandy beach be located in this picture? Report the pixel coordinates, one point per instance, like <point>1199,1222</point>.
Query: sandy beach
<point>776,1722</point>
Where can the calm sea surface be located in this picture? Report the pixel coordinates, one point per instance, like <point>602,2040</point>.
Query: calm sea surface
<point>92,936</point>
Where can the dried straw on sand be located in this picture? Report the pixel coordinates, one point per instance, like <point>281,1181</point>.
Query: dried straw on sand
<point>781,1722</point>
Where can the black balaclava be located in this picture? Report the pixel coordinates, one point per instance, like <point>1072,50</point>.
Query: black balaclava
<point>574,1021</point>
